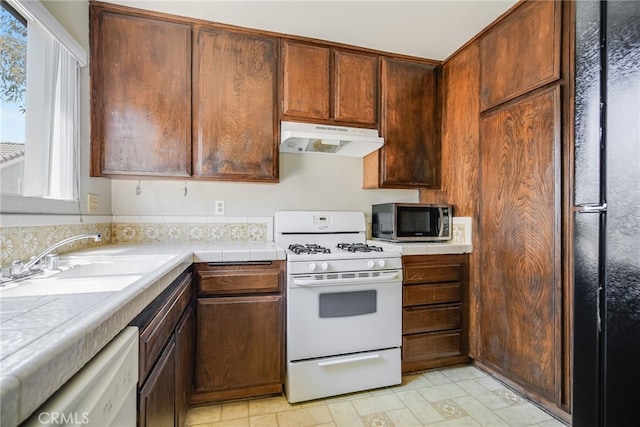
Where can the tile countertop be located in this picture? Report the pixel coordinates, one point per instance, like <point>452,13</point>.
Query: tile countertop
<point>46,339</point>
<point>461,242</point>
<point>422,248</point>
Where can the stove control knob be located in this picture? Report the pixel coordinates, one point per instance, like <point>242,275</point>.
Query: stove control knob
<point>324,266</point>
<point>381,263</point>
<point>371,264</point>
<point>312,266</point>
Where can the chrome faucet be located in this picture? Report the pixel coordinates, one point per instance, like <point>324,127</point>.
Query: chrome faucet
<point>18,271</point>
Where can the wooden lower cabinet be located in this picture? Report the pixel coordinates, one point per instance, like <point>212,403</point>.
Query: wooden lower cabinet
<point>185,359</point>
<point>434,311</point>
<point>240,331</point>
<point>166,356</point>
<point>520,284</point>
<point>156,399</point>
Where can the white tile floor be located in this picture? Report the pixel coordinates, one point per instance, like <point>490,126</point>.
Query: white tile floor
<point>458,396</point>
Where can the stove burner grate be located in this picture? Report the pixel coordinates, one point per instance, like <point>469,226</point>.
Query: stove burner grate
<point>309,248</point>
<point>359,247</point>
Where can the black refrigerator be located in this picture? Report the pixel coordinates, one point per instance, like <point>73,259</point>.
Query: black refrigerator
<point>606,328</point>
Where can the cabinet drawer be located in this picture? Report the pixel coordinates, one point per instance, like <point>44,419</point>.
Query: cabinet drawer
<point>431,294</point>
<point>154,336</point>
<point>426,319</point>
<point>430,346</point>
<point>238,282</point>
<point>432,273</point>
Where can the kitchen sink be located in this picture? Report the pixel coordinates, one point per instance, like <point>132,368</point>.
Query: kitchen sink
<point>86,275</point>
<point>108,267</point>
<point>52,286</point>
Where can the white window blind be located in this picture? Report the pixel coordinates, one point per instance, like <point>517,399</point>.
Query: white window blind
<point>53,102</point>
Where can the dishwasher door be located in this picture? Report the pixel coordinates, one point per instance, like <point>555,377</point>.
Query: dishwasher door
<point>102,393</point>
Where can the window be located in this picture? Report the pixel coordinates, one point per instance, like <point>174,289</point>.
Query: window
<point>40,89</point>
<point>13,89</point>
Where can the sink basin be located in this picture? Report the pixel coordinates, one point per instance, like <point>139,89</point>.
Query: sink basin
<point>107,268</point>
<point>85,275</point>
<point>48,286</point>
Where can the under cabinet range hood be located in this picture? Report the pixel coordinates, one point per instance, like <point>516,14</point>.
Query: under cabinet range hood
<point>328,139</point>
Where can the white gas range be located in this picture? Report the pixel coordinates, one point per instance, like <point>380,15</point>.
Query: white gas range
<point>344,305</point>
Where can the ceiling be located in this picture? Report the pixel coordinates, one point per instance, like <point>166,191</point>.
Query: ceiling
<point>431,29</point>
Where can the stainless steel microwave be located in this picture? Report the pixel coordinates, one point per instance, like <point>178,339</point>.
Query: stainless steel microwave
<point>411,222</point>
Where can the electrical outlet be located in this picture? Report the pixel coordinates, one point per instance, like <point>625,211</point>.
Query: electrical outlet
<point>219,209</point>
<point>92,203</point>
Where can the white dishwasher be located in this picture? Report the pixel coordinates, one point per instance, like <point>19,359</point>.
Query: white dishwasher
<point>102,393</point>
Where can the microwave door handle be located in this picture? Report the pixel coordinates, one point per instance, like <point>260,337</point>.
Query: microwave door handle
<point>440,221</point>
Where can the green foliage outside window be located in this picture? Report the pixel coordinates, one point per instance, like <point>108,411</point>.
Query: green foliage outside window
<point>13,51</point>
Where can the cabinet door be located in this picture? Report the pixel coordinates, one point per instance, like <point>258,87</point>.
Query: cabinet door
<point>306,80</point>
<point>140,96</point>
<point>327,85</point>
<point>156,399</point>
<point>153,337</point>
<point>235,117</point>
<point>239,346</point>
<point>185,360</point>
<point>410,157</point>
<point>356,78</point>
<point>520,287</point>
<point>520,53</point>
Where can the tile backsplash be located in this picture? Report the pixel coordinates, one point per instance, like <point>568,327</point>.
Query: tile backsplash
<point>191,229</point>
<point>24,242</point>
<point>22,237</point>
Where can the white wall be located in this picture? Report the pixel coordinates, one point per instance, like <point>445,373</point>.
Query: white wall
<point>306,182</point>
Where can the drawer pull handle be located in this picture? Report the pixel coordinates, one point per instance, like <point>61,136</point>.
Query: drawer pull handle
<point>349,360</point>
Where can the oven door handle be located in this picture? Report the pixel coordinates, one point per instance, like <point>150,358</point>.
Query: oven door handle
<point>348,360</point>
<point>384,277</point>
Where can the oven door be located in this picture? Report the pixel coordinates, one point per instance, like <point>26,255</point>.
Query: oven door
<point>339,316</point>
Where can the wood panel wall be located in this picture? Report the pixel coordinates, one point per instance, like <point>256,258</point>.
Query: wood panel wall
<point>461,155</point>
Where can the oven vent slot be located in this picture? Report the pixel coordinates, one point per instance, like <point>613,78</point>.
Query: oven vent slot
<point>343,275</point>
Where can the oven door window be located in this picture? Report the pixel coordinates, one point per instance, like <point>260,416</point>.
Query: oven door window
<point>346,304</point>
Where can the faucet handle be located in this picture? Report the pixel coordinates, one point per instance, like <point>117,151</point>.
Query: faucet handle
<point>16,268</point>
<point>52,261</point>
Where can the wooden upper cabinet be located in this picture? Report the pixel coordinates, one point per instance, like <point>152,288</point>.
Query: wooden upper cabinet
<point>140,95</point>
<point>235,118</point>
<point>324,84</point>
<point>306,80</point>
<point>520,53</point>
<point>355,78</point>
<point>410,125</point>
